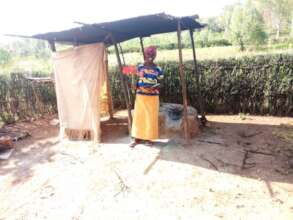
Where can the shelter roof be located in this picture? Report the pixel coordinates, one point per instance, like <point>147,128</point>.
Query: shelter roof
<point>121,30</point>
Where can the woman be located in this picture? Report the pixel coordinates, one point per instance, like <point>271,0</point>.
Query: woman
<point>145,126</point>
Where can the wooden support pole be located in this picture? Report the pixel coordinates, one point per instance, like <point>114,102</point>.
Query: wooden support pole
<point>124,86</point>
<point>109,96</point>
<point>122,54</point>
<point>183,83</point>
<point>142,47</point>
<point>196,71</point>
<point>52,46</point>
<point>129,93</point>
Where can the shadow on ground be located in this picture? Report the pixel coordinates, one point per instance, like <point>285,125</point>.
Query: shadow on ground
<point>245,149</point>
<point>252,150</point>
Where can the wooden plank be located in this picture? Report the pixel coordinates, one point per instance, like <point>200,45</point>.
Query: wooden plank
<point>196,71</point>
<point>183,83</point>
<point>39,79</point>
<point>124,85</point>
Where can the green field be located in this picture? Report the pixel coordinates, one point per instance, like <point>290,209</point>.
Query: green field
<point>32,64</point>
<point>208,53</point>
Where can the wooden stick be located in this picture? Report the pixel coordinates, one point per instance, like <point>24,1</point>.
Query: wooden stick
<point>142,47</point>
<point>72,156</point>
<point>212,142</point>
<point>201,107</point>
<point>123,187</point>
<point>210,162</point>
<point>129,93</point>
<point>110,101</point>
<point>149,167</point>
<point>124,85</point>
<point>183,82</point>
<point>260,152</point>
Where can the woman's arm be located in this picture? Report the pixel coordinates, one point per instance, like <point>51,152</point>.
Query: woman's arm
<point>160,73</point>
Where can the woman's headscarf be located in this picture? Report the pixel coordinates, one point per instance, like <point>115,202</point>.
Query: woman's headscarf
<point>150,52</point>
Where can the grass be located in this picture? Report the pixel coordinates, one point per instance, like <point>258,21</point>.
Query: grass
<point>208,53</point>
<point>32,64</point>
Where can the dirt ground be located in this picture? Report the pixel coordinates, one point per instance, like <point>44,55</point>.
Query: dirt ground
<point>237,168</point>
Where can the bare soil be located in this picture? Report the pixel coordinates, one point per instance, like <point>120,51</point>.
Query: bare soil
<point>237,168</point>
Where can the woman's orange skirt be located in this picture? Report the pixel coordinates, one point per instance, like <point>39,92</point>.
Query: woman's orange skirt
<point>145,124</point>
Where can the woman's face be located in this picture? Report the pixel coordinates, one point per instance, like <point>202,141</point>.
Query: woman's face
<point>150,57</point>
<point>150,54</point>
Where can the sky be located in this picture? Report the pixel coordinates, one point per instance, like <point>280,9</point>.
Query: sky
<point>27,17</point>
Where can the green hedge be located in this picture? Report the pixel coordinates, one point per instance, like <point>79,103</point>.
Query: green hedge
<point>257,85</point>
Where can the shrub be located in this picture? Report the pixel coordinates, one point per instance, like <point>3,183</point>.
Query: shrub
<point>255,85</point>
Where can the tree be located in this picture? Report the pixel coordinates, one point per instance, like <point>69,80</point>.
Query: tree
<point>226,17</point>
<point>254,25</point>
<point>30,47</point>
<point>236,28</point>
<point>5,56</point>
<point>277,14</point>
<point>214,25</point>
<point>247,26</point>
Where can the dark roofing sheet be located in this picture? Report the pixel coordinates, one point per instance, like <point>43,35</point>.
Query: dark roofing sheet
<point>121,30</point>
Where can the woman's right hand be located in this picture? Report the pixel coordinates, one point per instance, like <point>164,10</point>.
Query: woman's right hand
<point>129,70</point>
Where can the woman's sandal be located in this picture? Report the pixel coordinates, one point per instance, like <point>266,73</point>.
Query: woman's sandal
<point>149,143</point>
<point>134,143</point>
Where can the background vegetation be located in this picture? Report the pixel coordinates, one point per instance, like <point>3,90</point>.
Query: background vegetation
<point>256,27</point>
<point>245,54</point>
<point>256,85</point>
<point>21,99</point>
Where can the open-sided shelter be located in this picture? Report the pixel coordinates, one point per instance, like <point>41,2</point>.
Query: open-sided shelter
<point>80,70</point>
